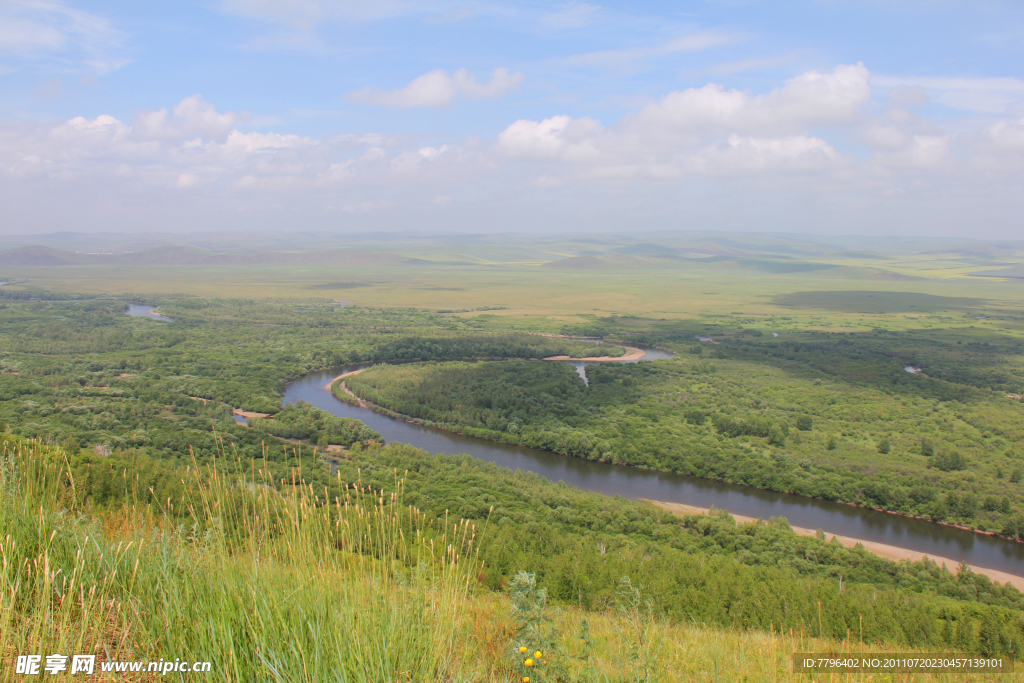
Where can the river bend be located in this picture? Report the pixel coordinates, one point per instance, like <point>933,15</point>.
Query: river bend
<point>631,482</point>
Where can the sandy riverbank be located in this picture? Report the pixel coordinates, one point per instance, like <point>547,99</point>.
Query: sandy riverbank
<point>889,552</point>
<point>631,354</point>
<point>247,413</point>
<point>327,387</point>
<point>341,385</point>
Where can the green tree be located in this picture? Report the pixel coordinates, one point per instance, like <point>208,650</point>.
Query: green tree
<point>965,640</point>
<point>777,436</point>
<point>990,636</point>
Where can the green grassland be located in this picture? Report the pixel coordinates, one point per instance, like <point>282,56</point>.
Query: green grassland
<point>686,280</point>
<point>133,419</point>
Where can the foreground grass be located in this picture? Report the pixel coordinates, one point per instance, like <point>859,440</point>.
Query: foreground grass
<point>272,582</point>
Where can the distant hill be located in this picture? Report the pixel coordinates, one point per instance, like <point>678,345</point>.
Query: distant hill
<point>1015,272</point>
<point>583,262</point>
<point>41,256</point>
<point>191,256</point>
<point>159,256</point>
<point>608,261</point>
<point>649,249</point>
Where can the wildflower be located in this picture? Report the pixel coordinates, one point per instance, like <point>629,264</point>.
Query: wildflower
<point>522,648</point>
<point>528,662</point>
<point>537,654</point>
<point>526,679</point>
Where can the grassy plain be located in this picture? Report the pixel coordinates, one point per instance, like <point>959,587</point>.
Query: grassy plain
<point>535,296</point>
<point>846,322</point>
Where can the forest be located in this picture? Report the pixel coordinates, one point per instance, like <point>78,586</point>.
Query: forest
<point>87,376</point>
<point>834,418</point>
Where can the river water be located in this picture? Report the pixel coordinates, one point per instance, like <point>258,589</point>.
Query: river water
<point>630,482</point>
<point>139,311</point>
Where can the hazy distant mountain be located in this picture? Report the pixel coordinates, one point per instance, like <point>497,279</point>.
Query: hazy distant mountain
<point>190,256</point>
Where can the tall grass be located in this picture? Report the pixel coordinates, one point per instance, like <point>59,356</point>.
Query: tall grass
<point>266,580</point>
<point>273,581</point>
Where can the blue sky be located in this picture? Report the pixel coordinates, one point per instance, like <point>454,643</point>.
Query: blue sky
<point>898,117</point>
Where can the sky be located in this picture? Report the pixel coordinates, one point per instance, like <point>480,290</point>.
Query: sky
<point>894,117</point>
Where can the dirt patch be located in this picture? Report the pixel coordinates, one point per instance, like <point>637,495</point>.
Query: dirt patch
<point>246,413</point>
<point>889,552</point>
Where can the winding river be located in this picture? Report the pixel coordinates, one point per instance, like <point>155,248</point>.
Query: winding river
<point>629,482</point>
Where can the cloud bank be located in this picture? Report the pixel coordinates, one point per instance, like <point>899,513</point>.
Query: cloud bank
<point>822,151</point>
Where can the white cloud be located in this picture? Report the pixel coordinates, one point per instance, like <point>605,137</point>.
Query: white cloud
<point>559,137</point>
<point>438,88</point>
<point>193,117</point>
<point>455,17</point>
<point>628,58</point>
<point>570,15</point>
<point>746,65</point>
<point>195,146</point>
<point>307,13</point>
<point>886,137</point>
<point>186,180</point>
<point>987,95</point>
<point>998,150</point>
<point>811,99</point>
<point>797,153</point>
<point>922,152</point>
<point>27,35</point>
<point>32,30</point>
<point>692,153</point>
<point>1008,134</point>
<point>706,130</point>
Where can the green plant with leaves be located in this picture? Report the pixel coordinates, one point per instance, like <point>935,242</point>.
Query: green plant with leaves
<point>638,612</point>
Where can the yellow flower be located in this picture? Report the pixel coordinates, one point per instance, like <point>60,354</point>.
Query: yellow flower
<point>526,679</point>
<point>522,648</point>
<point>528,662</point>
<point>537,654</point>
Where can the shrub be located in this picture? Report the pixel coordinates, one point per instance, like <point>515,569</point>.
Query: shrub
<point>949,461</point>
